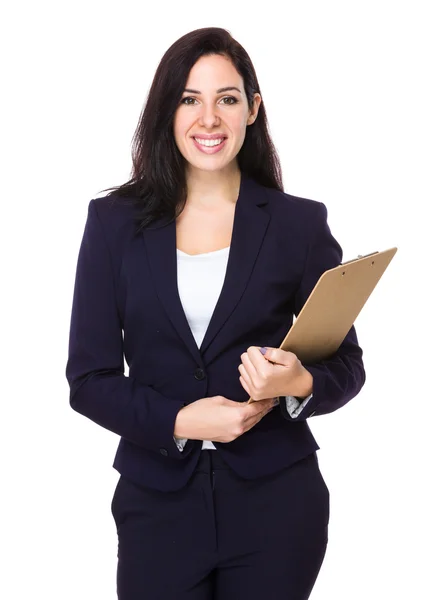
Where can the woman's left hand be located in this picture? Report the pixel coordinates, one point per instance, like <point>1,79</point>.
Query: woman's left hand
<point>277,373</point>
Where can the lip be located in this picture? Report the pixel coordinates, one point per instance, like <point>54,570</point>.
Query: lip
<point>210,149</point>
<point>215,136</point>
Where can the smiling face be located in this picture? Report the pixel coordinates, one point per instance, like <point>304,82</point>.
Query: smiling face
<point>211,120</point>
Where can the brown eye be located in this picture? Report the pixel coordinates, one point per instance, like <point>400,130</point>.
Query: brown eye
<point>235,100</point>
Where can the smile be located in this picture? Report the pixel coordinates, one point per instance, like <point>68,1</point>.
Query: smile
<point>210,146</point>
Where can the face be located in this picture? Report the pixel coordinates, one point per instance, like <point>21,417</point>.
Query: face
<point>211,120</point>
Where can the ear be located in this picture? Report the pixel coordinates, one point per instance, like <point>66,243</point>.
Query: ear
<point>257,99</point>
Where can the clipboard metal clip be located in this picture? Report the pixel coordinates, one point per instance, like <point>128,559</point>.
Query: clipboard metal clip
<point>358,257</point>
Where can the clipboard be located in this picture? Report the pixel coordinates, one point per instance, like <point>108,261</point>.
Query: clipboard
<point>333,305</point>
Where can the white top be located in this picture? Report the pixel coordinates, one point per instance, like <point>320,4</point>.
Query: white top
<point>200,278</point>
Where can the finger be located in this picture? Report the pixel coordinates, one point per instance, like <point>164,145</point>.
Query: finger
<point>265,409</point>
<point>263,405</point>
<point>244,374</point>
<point>279,356</point>
<point>255,405</point>
<point>256,357</point>
<point>256,419</point>
<point>249,384</point>
<point>253,365</point>
<point>245,385</point>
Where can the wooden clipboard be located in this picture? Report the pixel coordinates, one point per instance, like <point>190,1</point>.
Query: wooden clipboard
<point>332,307</point>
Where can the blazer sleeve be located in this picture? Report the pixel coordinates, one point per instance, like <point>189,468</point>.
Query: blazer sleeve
<point>99,389</point>
<point>339,378</point>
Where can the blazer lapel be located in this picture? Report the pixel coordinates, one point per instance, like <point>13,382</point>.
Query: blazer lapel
<point>161,253</point>
<point>249,228</point>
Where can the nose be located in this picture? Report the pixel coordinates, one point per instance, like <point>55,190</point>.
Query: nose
<point>209,116</point>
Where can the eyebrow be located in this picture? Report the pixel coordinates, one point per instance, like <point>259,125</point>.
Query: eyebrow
<point>220,91</point>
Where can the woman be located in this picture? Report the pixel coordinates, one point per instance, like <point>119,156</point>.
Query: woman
<point>193,271</point>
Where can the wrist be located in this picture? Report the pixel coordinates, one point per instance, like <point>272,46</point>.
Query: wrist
<point>302,386</point>
<point>307,384</point>
<point>179,425</point>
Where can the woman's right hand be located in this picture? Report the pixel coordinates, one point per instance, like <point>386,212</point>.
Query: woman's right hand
<point>219,419</point>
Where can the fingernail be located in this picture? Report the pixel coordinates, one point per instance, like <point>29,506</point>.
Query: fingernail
<point>263,350</point>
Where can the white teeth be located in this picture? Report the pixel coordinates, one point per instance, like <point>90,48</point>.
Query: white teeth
<point>210,142</point>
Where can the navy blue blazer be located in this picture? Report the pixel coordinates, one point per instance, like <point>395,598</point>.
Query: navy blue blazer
<point>126,303</point>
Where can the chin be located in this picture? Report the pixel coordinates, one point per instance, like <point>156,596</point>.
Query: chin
<point>202,166</point>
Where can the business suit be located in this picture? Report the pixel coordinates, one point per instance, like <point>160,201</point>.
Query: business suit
<point>280,246</point>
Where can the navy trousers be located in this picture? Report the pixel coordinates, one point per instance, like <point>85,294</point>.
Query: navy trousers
<point>222,537</point>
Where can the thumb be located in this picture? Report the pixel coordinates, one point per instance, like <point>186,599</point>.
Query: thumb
<point>275,355</point>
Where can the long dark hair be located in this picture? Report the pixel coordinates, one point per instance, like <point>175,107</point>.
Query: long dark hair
<point>158,181</point>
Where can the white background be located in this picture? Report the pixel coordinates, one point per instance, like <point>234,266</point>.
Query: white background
<point>351,94</point>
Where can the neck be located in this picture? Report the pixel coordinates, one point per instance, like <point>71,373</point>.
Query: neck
<point>211,189</point>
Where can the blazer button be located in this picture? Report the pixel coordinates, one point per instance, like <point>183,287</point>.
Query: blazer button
<point>199,374</point>
<point>163,451</point>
